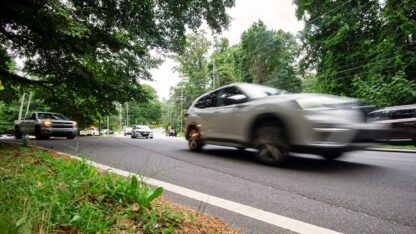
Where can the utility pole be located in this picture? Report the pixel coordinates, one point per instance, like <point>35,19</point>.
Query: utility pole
<point>120,116</point>
<point>21,106</point>
<point>214,76</point>
<point>108,124</point>
<point>181,118</point>
<point>28,103</point>
<point>127,114</point>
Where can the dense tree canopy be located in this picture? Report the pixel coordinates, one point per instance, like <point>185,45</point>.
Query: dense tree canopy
<point>268,57</point>
<point>87,54</point>
<point>362,48</point>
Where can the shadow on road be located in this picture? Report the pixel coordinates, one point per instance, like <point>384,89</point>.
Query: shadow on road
<point>307,163</point>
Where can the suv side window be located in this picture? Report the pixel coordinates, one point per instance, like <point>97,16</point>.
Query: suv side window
<point>32,116</point>
<point>228,92</point>
<point>207,101</point>
<point>403,114</point>
<point>377,116</point>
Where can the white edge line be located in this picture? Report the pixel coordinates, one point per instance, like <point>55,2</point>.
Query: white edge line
<point>248,211</point>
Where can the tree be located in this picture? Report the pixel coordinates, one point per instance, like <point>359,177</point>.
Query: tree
<point>268,57</point>
<point>223,64</point>
<point>146,112</point>
<point>359,46</point>
<point>193,67</point>
<point>87,54</point>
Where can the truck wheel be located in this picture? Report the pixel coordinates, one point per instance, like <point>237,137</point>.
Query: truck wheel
<point>194,140</point>
<point>38,135</point>
<point>71,136</point>
<point>17,133</point>
<point>272,146</point>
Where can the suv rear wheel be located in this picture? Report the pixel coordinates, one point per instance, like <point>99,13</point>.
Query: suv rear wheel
<point>272,146</point>
<point>194,140</point>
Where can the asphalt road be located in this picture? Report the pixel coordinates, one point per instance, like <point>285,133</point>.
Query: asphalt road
<point>363,192</point>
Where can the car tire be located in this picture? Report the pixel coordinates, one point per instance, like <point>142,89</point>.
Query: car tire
<point>70,137</point>
<point>271,142</point>
<point>17,133</point>
<point>38,135</point>
<point>333,154</point>
<point>194,141</point>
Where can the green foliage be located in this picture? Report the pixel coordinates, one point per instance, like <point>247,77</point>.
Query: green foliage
<point>10,112</point>
<point>193,65</point>
<point>359,47</point>
<point>46,194</point>
<point>384,91</point>
<point>86,55</point>
<point>7,226</point>
<point>148,111</point>
<point>268,57</point>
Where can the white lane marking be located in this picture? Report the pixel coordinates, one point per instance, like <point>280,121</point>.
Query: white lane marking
<point>258,214</point>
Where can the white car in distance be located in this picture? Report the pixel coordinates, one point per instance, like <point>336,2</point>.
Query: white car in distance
<point>142,131</point>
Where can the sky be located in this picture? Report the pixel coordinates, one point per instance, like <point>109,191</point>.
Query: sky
<point>276,14</point>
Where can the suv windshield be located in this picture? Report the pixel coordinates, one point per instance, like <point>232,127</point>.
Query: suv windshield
<point>145,127</point>
<point>259,91</point>
<point>51,116</point>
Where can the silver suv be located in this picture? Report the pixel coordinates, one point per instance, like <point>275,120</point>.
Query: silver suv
<point>275,122</point>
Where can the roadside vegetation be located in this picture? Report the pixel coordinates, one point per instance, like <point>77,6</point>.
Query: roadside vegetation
<point>41,192</point>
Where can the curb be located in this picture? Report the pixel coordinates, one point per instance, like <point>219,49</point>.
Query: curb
<point>392,150</point>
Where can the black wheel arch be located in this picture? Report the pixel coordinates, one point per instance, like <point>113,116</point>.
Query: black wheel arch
<point>190,127</point>
<point>267,118</point>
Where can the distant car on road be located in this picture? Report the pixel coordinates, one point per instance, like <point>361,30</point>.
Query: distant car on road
<point>83,132</point>
<point>275,122</point>
<point>402,121</point>
<point>93,132</point>
<point>106,131</point>
<point>127,130</point>
<point>142,131</point>
<point>44,125</point>
<point>172,133</point>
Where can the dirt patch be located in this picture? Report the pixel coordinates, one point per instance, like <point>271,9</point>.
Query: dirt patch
<point>196,222</point>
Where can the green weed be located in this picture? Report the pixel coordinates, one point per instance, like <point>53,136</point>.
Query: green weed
<point>42,193</point>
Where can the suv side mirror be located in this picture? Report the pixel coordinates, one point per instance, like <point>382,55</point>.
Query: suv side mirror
<point>235,99</point>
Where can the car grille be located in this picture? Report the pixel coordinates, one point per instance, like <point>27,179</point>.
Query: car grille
<point>62,126</point>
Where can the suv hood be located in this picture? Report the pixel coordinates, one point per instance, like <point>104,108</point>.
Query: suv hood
<point>314,101</point>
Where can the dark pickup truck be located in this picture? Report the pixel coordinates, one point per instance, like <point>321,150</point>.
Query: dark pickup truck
<point>44,125</point>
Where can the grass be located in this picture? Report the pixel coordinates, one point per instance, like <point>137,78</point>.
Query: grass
<point>43,193</point>
<point>411,147</point>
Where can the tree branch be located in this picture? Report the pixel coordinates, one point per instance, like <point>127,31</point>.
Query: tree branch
<point>6,75</point>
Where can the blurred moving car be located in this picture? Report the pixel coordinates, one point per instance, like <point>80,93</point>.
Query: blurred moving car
<point>142,131</point>
<point>106,131</point>
<point>83,132</point>
<point>276,122</point>
<point>171,133</point>
<point>93,132</point>
<point>44,125</point>
<point>402,120</point>
<point>127,130</point>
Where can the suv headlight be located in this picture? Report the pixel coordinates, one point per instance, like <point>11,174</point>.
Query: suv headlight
<point>46,123</point>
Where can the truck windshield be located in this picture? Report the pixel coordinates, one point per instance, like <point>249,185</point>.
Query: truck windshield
<point>51,116</point>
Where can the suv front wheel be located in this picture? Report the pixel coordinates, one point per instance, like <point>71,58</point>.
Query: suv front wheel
<point>194,140</point>
<point>271,144</point>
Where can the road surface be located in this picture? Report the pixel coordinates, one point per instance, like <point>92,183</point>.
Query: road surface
<point>364,192</point>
